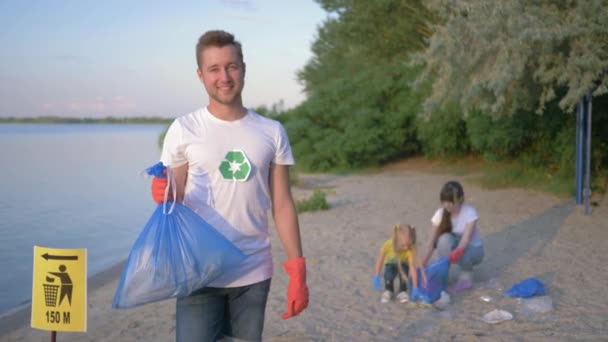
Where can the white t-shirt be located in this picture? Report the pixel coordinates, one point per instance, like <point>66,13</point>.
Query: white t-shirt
<point>215,150</point>
<point>466,215</point>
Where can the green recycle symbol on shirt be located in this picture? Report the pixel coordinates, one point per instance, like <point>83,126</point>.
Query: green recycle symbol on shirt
<point>235,166</point>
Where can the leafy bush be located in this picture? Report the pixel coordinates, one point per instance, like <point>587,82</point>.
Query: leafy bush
<point>444,133</point>
<point>365,119</point>
<point>316,201</point>
<point>499,138</point>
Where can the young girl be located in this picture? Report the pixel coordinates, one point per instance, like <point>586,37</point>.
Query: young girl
<point>455,234</point>
<point>398,255</point>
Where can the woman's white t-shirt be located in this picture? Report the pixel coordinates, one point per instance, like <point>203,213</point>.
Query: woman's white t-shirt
<point>466,215</point>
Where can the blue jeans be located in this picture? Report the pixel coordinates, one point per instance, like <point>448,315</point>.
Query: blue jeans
<point>211,313</point>
<point>472,255</point>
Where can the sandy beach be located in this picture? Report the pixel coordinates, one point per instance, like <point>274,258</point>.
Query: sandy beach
<point>526,234</point>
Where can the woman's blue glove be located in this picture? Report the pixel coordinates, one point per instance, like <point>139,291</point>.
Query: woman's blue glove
<point>377,282</point>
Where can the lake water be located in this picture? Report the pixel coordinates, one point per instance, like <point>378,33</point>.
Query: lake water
<point>71,186</point>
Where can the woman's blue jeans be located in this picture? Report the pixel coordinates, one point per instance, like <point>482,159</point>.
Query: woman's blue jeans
<point>472,255</point>
<point>211,313</point>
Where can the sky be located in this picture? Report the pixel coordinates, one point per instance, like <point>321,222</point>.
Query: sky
<point>98,58</point>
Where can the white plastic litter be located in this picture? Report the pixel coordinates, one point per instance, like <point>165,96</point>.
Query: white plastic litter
<point>486,298</point>
<point>492,284</point>
<point>443,301</point>
<point>540,304</point>
<point>496,316</point>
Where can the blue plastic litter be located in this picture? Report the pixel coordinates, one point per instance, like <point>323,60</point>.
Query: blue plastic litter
<point>527,288</point>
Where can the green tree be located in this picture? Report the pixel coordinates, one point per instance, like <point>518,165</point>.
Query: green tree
<point>360,108</point>
<point>502,56</point>
<point>360,33</point>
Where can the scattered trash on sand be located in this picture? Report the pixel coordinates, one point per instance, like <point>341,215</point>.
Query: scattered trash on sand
<point>527,288</point>
<point>486,298</point>
<point>443,301</point>
<point>491,284</point>
<point>540,304</point>
<point>496,316</point>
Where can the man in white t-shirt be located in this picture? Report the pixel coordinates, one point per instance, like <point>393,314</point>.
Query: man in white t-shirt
<point>231,166</point>
<point>455,234</point>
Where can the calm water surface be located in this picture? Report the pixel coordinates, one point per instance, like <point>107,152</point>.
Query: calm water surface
<point>71,186</point>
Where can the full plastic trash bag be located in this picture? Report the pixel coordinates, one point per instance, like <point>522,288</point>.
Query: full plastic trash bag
<point>437,274</point>
<point>176,253</point>
<point>526,288</point>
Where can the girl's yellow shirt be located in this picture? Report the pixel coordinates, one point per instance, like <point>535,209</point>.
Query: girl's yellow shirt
<point>389,253</point>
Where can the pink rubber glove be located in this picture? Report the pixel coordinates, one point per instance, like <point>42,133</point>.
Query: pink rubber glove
<point>297,291</point>
<point>456,254</point>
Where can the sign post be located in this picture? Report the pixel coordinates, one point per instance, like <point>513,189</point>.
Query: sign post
<point>59,290</point>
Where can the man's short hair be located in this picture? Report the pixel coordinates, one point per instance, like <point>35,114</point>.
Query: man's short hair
<point>216,38</point>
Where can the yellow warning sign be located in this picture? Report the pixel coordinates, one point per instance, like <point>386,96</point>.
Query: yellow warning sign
<point>59,289</point>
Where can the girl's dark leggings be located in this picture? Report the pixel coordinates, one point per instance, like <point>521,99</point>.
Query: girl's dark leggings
<point>390,272</point>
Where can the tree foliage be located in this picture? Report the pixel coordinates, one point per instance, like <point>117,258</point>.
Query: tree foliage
<point>361,33</point>
<point>365,119</point>
<point>444,135</point>
<point>360,108</point>
<point>377,66</point>
<point>499,57</point>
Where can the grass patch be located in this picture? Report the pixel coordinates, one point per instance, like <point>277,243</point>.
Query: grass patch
<point>515,175</point>
<point>512,174</point>
<point>317,201</point>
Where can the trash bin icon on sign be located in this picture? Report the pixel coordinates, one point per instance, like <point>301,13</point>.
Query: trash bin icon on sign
<point>64,288</point>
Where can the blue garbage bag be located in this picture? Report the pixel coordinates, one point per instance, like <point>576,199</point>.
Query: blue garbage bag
<point>437,275</point>
<point>527,288</point>
<point>176,253</point>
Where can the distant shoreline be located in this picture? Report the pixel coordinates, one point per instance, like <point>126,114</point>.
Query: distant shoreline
<point>106,120</point>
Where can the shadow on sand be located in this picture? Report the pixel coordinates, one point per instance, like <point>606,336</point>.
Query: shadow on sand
<point>528,237</point>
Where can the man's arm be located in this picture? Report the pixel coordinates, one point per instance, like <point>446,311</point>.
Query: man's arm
<point>180,174</point>
<point>286,222</point>
<point>284,211</point>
